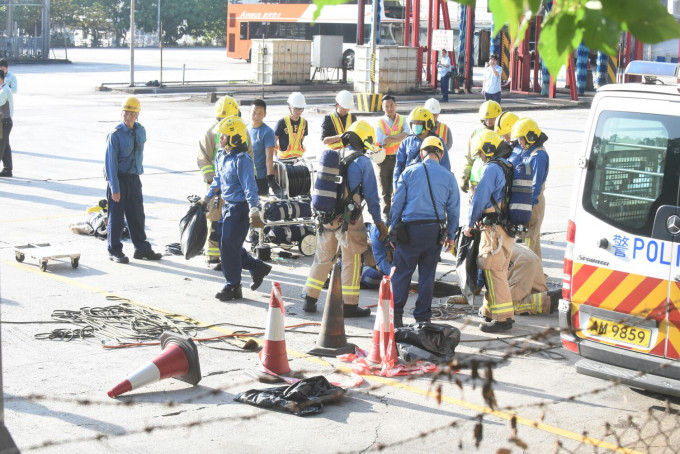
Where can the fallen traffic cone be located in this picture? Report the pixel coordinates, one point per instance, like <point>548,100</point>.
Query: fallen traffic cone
<point>273,357</point>
<point>332,340</point>
<point>179,359</point>
<point>383,329</point>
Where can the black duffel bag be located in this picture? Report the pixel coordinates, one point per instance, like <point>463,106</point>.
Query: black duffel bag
<point>193,231</point>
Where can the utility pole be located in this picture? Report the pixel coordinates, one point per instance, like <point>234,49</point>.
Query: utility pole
<point>132,43</point>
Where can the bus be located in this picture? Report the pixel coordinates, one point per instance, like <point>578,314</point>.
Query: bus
<point>292,19</point>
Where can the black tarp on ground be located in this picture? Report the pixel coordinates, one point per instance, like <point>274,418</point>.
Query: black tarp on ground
<point>193,230</point>
<point>427,341</point>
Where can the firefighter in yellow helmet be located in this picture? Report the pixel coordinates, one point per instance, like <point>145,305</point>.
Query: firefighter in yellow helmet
<point>488,112</point>
<point>495,248</point>
<point>291,130</point>
<point>208,145</point>
<point>346,230</point>
<point>504,124</point>
<point>335,124</point>
<point>531,151</point>
<point>235,182</point>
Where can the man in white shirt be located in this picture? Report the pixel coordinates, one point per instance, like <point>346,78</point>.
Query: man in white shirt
<point>444,74</point>
<point>492,80</point>
<point>6,111</point>
<point>10,79</point>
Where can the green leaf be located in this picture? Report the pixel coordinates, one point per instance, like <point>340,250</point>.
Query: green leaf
<point>648,21</point>
<point>600,32</point>
<point>559,38</point>
<point>321,3</point>
<point>507,12</point>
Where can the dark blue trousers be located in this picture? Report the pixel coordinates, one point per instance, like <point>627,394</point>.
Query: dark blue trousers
<point>130,207</point>
<point>5,148</point>
<point>234,258</point>
<point>444,82</point>
<point>422,250</point>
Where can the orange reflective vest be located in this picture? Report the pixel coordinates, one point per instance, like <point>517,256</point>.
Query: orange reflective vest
<point>442,131</point>
<point>295,148</point>
<point>397,128</point>
<point>339,128</point>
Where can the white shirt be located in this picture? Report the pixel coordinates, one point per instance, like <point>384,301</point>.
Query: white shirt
<point>6,96</point>
<point>492,83</point>
<point>444,70</point>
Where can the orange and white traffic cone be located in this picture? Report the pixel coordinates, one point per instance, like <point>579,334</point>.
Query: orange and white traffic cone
<point>383,347</point>
<point>273,357</point>
<point>332,340</point>
<point>179,359</point>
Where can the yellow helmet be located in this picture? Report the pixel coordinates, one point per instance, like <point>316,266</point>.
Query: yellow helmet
<point>235,128</point>
<point>489,109</point>
<point>527,128</point>
<point>432,141</point>
<point>131,104</point>
<point>485,142</point>
<point>424,115</point>
<point>505,122</point>
<point>225,107</point>
<point>365,134</point>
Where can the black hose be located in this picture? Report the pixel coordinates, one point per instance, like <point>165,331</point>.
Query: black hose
<point>299,180</point>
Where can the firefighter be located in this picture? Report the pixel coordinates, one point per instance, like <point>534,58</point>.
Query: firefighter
<point>335,124</point>
<point>503,126</point>
<point>291,130</point>
<point>124,155</point>
<point>377,260</point>
<point>421,124</point>
<point>426,208</point>
<point>528,287</point>
<point>349,237</point>
<point>235,182</point>
<point>208,146</point>
<point>440,128</point>
<point>392,129</point>
<point>495,246</point>
<point>532,152</point>
<point>488,112</point>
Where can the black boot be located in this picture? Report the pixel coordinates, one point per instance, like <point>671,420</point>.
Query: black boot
<point>494,326</point>
<point>398,322</point>
<point>554,299</point>
<point>229,293</point>
<point>310,304</point>
<point>261,271</point>
<point>354,311</point>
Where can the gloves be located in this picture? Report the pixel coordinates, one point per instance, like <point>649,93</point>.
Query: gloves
<point>271,181</point>
<point>465,186</point>
<point>382,228</point>
<point>256,221</point>
<point>204,202</point>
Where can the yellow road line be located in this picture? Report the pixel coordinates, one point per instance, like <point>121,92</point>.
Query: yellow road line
<point>382,380</point>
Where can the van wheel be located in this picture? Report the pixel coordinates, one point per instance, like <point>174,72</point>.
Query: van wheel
<point>348,60</point>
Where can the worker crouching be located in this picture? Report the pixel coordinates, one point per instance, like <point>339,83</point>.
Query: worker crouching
<point>235,181</point>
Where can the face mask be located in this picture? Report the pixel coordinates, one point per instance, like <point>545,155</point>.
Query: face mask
<point>417,129</point>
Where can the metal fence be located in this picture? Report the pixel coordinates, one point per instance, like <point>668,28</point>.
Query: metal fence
<point>23,47</point>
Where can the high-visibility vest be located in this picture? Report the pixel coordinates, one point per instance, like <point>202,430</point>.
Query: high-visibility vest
<point>397,128</point>
<point>339,128</point>
<point>295,148</point>
<point>442,132</point>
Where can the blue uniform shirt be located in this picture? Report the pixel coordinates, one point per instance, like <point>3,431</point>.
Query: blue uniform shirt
<point>412,201</point>
<point>539,162</point>
<point>124,153</point>
<point>234,177</point>
<point>379,251</point>
<point>261,138</point>
<point>409,152</point>
<point>491,183</point>
<point>360,171</point>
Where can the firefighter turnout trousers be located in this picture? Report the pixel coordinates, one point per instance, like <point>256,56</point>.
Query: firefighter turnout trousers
<point>532,237</point>
<point>212,243</point>
<point>352,244</point>
<point>495,249</point>
<point>528,286</point>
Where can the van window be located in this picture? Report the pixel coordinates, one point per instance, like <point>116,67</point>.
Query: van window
<point>633,169</point>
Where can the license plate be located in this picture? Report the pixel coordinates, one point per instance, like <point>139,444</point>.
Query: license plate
<point>619,332</point>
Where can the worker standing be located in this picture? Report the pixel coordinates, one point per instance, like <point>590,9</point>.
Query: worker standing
<point>440,128</point>
<point>235,182</point>
<point>124,156</point>
<point>421,124</point>
<point>531,151</point>
<point>263,142</point>
<point>392,129</point>
<point>488,112</point>
<point>291,130</point>
<point>495,248</point>
<point>347,231</point>
<point>426,209</point>
<point>335,124</point>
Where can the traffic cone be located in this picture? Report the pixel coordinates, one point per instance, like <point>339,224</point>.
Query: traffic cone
<point>332,340</point>
<point>179,359</point>
<point>383,329</point>
<point>273,357</point>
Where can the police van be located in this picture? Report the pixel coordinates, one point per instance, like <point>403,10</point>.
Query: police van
<point>621,287</point>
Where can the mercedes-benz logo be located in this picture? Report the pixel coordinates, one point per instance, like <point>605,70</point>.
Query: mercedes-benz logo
<point>673,224</point>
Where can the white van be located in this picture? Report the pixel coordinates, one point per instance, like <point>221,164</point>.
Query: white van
<point>621,285</point>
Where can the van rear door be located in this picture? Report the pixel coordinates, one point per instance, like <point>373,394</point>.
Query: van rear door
<point>623,259</point>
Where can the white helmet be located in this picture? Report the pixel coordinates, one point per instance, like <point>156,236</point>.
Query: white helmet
<point>345,100</point>
<point>377,156</point>
<point>296,99</point>
<point>433,106</point>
